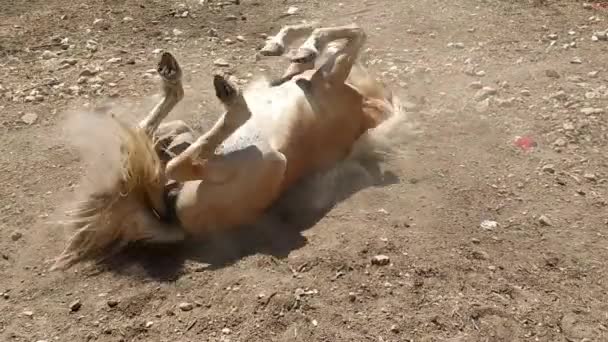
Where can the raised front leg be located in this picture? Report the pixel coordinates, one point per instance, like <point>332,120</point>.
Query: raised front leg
<point>276,45</point>
<point>171,76</point>
<point>190,164</point>
<point>339,64</point>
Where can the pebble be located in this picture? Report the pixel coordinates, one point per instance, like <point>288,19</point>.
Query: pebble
<point>544,220</point>
<point>75,305</point>
<point>593,74</point>
<point>552,36</point>
<point>484,93</point>
<point>488,225</point>
<point>114,60</point>
<point>28,313</point>
<point>91,45</point>
<point>551,73</point>
<point>186,306</point>
<point>590,177</point>
<point>127,19</point>
<point>101,23</point>
<point>587,5</point>
<point>15,236</point>
<point>29,118</point>
<point>112,303</point>
<point>549,168</point>
<point>394,328</point>
<point>482,106</point>
<point>591,111</point>
<point>48,55</point>
<point>352,296</point>
<point>292,10</point>
<point>576,60</point>
<point>456,45</point>
<point>476,85</point>
<point>220,62</point>
<point>226,331</point>
<point>560,142</point>
<point>505,102</point>
<point>149,324</point>
<point>381,260</point>
<point>177,32</point>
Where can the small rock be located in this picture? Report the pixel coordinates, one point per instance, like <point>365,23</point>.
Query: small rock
<point>482,106</point>
<point>352,296</point>
<point>525,92</point>
<point>587,6</point>
<point>226,331</point>
<point>149,324</point>
<point>220,62</point>
<point>456,45</point>
<point>590,177</point>
<point>394,328</point>
<point>488,225</point>
<point>292,10</point>
<point>544,220</point>
<point>240,38</point>
<point>101,23</point>
<point>552,36</point>
<point>48,55</point>
<point>593,74</point>
<point>549,168</point>
<point>127,19</point>
<point>69,61</point>
<point>560,142</point>
<point>505,102</point>
<point>576,60</point>
<point>591,111</point>
<point>177,32</point>
<point>75,305</point>
<point>114,60</point>
<point>91,45</point>
<point>28,313</point>
<point>112,303</point>
<point>15,236</point>
<point>551,73</point>
<point>381,260</point>
<point>29,118</point>
<point>484,93</point>
<point>186,306</point>
<point>476,85</point>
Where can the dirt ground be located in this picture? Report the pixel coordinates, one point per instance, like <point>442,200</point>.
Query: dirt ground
<point>488,240</point>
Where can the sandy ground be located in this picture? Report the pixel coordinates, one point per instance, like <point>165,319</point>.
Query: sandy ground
<point>488,240</point>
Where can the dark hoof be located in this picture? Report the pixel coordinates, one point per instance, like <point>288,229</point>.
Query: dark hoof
<point>168,68</point>
<point>224,89</point>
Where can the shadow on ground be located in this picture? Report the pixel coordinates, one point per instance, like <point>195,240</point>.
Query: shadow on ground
<point>278,233</point>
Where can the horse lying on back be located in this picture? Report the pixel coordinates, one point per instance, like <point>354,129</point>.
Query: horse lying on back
<point>324,109</point>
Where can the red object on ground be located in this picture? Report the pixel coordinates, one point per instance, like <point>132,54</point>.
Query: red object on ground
<point>525,143</point>
<point>600,5</point>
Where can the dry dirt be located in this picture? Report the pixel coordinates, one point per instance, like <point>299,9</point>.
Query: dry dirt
<point>539,274</point>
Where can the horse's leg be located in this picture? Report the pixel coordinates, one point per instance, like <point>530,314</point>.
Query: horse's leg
<point>338,65</point>
<point>276,45</point>
<point>188,165</point>
<point>171,75</point>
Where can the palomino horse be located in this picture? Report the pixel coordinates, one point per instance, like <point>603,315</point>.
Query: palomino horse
<point>324,109</point>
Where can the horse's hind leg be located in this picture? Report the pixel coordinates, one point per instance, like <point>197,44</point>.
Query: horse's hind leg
<point>339,64</point>
<point>188,165</point>
<point>171,76</point>
<point>276,45</point>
